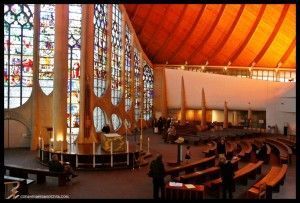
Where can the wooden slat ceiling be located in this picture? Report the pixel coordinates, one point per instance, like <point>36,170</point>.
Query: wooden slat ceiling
<point>242,34</point>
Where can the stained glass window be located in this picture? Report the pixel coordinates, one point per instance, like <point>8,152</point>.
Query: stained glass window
<point>100,48</point>
<point>18,54</point>
<point>128,80</point>
<point>74,41</point>
<point>148,92</point>
<point>99,119</point>
<point>116,122</point>
<point>116,45</point>
<point>46,47</point>
<point>137,88</point>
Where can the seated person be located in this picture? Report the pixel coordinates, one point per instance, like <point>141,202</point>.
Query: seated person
<point>58,166</point>
<point>171,134</point>
<point>106,129</point>
<point>262,152</point>
<point>221,147</point>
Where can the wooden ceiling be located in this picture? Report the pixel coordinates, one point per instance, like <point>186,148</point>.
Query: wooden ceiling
<point>239,34</point>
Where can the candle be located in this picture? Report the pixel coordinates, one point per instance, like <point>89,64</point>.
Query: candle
<point>42,144</point>
<point>148,144</point>
<point>111,147</point>
<point>39,142</point>
<point>93,147</point>
<point>127,150</point>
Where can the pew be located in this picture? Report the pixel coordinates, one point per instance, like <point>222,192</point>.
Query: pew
<point>22,172</point>
<point>182,192</point>
<point>248,171</point>
<point>191,167</point>
<point>273,179</point>
<point>285,151</point>
<point>258,144</point>
<point>246,149</point>
<point>289,143</point>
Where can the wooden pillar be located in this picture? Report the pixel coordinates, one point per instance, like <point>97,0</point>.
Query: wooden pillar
<point>164,109</point>
<point>107,92</point>
<point>60,75</point>
<point>36,126</point>
<point>235,118</point>
<point>87,130</point>
<point>203,113</point>
<point>225,123</point>
<point>183,110</point>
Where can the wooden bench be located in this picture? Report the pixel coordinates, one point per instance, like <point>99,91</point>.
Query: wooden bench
<point>22,172</point>
<point>24,183</point>
<point>285,151</point>
<point>246,149</point>
<point>211,149</point>
<point>199,176</point>
<point>272,179</point>
<point>191,167</point>
<point>183,192</point>
<point>289,143</point>
<point>248,171</point>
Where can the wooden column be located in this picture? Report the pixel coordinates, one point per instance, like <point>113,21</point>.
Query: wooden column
<point>183,110</point>
<point>60,75</point>
<point>36,126</point>
<point>235,118</point>
<point>203,113</point>
<point>87,132</point>
<point>225,123</point>
<point>164,109</point>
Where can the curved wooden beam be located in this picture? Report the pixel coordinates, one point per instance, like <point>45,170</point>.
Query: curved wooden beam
<point>227,35</point>
<point>273,34</point>
<point>238,51</point>
<point>288,52</point>
<point>208,33</point>
<point>170,35</point>
<point>145,20</point>
<point>192,29</point>
<point>161,21</point>
<point>133,10</point>
<point>135,13</point>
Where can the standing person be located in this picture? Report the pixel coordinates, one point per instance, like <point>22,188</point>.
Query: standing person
<point>188,154</point>
<point>227,175</point>
<point>221,147</point>
<point>157,172</point>
<point>160,125</point>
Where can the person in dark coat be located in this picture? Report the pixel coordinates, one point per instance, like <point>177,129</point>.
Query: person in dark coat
<point>157,172</point>
<point>106,129</point>
<point>227,175</point>
<point>58,166</point>
<point>262,153</point>
<point>221,147</point>
<point>160,125</point>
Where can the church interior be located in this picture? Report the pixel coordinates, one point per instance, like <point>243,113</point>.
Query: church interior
<point>104,90</point>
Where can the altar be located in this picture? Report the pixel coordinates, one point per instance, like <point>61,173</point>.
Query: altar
<point>118,142</point>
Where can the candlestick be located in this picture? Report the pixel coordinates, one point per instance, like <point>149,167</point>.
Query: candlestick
<point>111,154</point>
<point>148,144</point>
<point>94,148</point>
<point>39,142</point>
<point>42,144</point>
<point>127,150</point>
<point>61,151</point>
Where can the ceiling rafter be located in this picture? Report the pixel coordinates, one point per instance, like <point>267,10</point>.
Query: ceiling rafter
<point>288,52</point>
<point>139,32</point>
<point>135,13</point>
<point>166,41</point>
<point>227,35</point>
<point>273,34</point>
<point>192,29</point>
<point>238,51</point>
<point>161,21</point>
<point>208,33</point>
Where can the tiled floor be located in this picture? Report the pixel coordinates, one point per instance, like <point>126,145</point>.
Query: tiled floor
<point>128,183</point>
